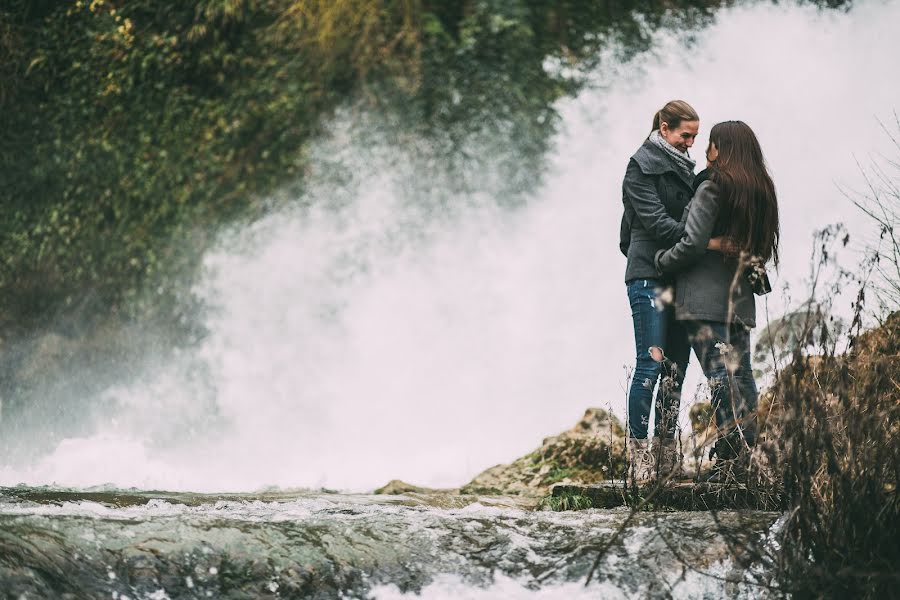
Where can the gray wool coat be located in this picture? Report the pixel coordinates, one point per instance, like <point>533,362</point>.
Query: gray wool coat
<point>654,195</point>
<point>706,281</point>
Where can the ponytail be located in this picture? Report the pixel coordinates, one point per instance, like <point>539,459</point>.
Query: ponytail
<point>673,113</point>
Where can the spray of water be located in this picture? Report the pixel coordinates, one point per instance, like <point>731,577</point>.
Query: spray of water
<point>387,325</point>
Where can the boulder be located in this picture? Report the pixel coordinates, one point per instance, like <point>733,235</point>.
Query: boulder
<point>591,451</point>
<point>395,487</point>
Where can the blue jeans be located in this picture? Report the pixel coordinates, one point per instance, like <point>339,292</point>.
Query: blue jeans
<point>655,327</point>
<point>724,354</point>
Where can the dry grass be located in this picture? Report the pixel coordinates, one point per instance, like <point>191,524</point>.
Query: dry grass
<point>840,459</point>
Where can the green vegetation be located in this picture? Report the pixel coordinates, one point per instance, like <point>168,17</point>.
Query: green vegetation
<point>135,130</point>
<point>565,502</point>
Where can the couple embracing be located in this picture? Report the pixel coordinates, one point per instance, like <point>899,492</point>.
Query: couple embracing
<point>696,249</point>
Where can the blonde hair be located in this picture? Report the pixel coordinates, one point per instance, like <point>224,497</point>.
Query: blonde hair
<point>673,113</point>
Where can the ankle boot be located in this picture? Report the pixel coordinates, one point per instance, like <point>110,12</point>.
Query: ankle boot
<point>641,462</point>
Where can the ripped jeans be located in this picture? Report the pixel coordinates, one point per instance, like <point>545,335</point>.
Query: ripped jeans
<point>655,327</point>
<point>724,354</point>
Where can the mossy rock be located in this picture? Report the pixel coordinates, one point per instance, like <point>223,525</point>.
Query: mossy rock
<point>591,452</point>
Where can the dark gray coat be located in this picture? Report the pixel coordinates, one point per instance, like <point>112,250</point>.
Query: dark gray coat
<point>705,280</point>
<point>654,194</point>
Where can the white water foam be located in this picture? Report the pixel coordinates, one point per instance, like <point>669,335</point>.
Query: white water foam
<point>368,340</point>
<point>693,585</point>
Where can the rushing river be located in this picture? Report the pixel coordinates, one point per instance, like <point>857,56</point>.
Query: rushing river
<point>127,544</point>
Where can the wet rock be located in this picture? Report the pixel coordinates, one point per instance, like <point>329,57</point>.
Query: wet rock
<point>326,546</point>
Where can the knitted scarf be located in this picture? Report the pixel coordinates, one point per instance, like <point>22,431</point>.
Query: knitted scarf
<point>683,162</point>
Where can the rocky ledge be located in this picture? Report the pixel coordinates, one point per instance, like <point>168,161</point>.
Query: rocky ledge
<point>591,452</point>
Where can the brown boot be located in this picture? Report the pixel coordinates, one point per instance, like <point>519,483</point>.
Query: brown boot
<point>641,462</point>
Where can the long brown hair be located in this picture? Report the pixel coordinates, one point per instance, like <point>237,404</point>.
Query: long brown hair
<point>673,113</point>
<point>749,209</point>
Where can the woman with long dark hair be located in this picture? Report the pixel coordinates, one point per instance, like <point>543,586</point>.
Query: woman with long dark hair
<point>656,188</point>
<point>714,291</point>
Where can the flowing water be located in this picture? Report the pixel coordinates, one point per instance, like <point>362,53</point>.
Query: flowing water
<point>328,545</point>
<point>400,321</point>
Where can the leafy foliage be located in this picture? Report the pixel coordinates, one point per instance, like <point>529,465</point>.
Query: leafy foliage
<point>136,129</point>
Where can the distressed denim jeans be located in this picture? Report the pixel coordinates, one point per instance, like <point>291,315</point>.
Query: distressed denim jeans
<point>655,327</point>
<point>724,354</point>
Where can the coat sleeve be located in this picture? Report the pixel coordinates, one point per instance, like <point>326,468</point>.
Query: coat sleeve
<point>640,190</point>
<point>701,218</point>
<point>624,234</point>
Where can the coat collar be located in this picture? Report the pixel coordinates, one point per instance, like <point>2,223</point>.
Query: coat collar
<point>653,161</point>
